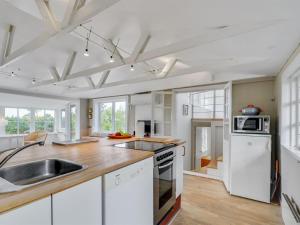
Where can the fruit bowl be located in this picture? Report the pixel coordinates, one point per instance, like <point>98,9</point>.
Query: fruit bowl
<point>123,136</point>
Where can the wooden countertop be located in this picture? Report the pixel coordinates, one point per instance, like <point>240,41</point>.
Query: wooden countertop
<point>100,157</point>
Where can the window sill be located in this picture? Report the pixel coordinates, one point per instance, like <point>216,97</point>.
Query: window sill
<point>294,152</point>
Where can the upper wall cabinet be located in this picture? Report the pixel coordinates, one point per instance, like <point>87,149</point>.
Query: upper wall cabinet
<point>36,213</point>
<point>141,99</point>
<point>161,113</point>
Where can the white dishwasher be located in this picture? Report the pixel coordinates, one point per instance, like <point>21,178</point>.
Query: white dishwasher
<point>128,195</point>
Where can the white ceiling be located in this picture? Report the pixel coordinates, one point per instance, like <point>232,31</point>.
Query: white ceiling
<point>235,39</point>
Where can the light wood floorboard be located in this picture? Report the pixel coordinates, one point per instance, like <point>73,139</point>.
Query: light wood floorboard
<point>206,202</point>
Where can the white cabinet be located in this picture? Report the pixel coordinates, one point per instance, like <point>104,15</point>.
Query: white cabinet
<point>36,213</point>
<point>141,99</point>
<point>81,204</point>
<point>251,166</point>
<point>180,152</point>
<point>128,195</point>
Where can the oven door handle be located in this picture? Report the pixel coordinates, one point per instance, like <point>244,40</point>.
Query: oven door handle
<point>166,165</point>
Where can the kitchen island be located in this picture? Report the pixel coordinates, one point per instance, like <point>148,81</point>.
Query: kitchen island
<point>100,158</point>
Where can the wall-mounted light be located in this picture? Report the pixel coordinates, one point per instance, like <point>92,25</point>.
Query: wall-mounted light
<point>33,81</point>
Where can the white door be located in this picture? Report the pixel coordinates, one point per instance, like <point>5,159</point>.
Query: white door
<point>226,134</point>
<point>79,205</point>
<point>36,213</point>
<point>251,166</point>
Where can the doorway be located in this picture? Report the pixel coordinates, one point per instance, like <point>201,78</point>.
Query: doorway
<point>199,114</point>
<point>207,146</point>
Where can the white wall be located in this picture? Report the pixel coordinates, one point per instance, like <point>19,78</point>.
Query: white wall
<point>183,126</point>
<point>14,100</point>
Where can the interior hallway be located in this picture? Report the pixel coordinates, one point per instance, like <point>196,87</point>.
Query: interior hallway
<point>206,202</point>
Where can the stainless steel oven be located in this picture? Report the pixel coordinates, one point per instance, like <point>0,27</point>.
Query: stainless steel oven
<point>251,124</point>
<point>164,183</point>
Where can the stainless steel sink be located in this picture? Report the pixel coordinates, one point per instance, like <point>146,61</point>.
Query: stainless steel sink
<point>18,177</point>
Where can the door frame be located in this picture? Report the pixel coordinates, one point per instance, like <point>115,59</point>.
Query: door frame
<point>199,123</point>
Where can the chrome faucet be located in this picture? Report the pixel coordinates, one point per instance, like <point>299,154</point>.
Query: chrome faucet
<point>16,151</point>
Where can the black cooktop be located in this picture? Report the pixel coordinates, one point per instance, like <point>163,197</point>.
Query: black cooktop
<point>144,145</point>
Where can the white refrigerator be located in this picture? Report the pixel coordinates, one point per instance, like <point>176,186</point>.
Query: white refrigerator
<point>250,175</point>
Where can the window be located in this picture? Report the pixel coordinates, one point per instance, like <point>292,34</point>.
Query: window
<point>294,109</point>
<point>106,120</point>
<point>120,120</point>
<point>11,116</point>
<point>73,118</point>
<point>44,120</point>
<point>18,120</point>
<point>24,121</point>
<point>112,116</point>
<point>208,104</point>
<point>62,119</point>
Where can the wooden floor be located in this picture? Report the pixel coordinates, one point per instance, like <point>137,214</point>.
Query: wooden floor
<point>205,202</point>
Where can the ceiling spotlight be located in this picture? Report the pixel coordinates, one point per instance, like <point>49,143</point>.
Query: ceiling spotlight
<point>131,68</point>
<point>111,59</point>
<point>86,52</point>
<point>33,81</point>
<point>12,74</point>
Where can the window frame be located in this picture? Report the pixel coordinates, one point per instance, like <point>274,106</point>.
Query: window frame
<point>214,97</point>
<point>294,110</point>
<point>32,127</point>
<point>97,115</point>
<point>60,128</point>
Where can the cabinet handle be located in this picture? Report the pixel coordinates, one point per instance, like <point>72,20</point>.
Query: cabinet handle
<point>183,150</point>
<point>117,180</point>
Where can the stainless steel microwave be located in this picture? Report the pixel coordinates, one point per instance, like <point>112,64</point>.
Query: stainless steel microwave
<point>251,124</point>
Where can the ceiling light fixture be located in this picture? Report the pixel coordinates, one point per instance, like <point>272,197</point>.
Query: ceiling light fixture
<point>131,68</point>
<point>113,53</point>
<point>33,81</point>
<point>86,52</point>
<point>112,59</point>
<point>12,74</point>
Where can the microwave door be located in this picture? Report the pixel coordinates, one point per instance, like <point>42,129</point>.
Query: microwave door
<point>249,124</point>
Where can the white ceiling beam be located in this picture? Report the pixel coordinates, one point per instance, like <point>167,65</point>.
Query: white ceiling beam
<point>91,9</point>
<point>196,41</point>
<point>229,32</point>
<point>88,11</point>
<point>90,82</point>
<point>168,67</point>
<point>53,72</point>
<point>47,15</point>
<point>72,7</point>
<point>115,51</point>
<point>140,47</point>
<point>7,42</point>
<point>68,66</point>
<point>43,83</point>
<point>103,79</point>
